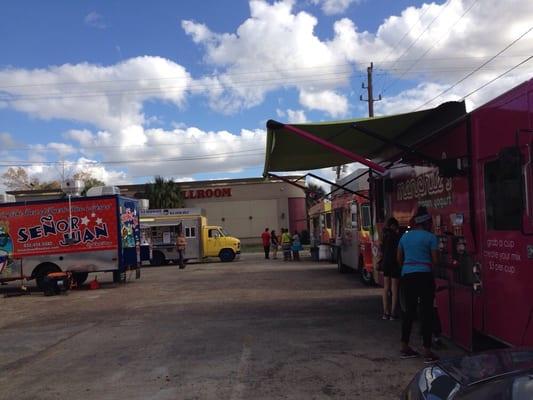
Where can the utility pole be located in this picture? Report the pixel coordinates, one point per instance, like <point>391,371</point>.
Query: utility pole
<point>370,91</point>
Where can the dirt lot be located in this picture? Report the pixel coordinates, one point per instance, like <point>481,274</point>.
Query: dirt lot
<point>252,329</point>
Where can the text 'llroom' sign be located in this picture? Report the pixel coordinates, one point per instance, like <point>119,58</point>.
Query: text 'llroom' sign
<point>206,193</point>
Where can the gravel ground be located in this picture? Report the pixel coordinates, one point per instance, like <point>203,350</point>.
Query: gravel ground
<point>251,329</point>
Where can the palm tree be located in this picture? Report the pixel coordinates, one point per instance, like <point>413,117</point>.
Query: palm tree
<point>313,194</point>
<point>164,193</point>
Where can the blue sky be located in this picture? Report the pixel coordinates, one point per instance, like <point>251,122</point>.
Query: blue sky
<point>100,84</point>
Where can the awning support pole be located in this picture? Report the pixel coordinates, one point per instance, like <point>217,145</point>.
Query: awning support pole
<point>329,146</point>
<point>347,183</point>
<point>305,189</point>
<point>338,187</point>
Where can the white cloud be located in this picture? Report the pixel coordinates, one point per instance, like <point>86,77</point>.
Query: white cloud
<point>290,55</point>
<point>332,7</point>
<point>108,97</point>
<point>275,48</point>
<point>292,116</point>
<point>6,140</point>
<point>333,103</point>
<point>183,151</point>
<point>95,20</point>
<point>88,93</point>
<point>445,43</point>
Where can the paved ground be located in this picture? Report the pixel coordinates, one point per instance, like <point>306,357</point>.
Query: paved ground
<point>245,330</point>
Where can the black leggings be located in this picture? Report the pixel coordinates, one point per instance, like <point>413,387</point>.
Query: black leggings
<point>414,287</point>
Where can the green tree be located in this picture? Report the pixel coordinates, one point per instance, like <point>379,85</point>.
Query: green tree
<point>88,180</point>
<point>313,194</point>
<point>164,193</point>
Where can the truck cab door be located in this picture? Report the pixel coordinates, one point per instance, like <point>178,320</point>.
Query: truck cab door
<point>213,242</point>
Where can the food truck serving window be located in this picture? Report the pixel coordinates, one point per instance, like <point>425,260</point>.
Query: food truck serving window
<point>365,216</point>
<point>503,194</point>
<point>190,232</point>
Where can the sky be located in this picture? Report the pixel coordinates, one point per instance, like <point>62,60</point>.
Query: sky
<point>127,90</point>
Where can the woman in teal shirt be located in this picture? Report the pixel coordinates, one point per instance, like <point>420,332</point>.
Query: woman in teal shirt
<point>417,254</point>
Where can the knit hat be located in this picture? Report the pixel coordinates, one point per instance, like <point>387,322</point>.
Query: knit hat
<point>422,215</point>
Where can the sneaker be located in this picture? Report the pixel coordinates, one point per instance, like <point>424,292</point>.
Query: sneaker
<point>409,353</point>
<point>431,358</point>
<point>438,343</point>
<point>385,317</point>
<point>393,317</point>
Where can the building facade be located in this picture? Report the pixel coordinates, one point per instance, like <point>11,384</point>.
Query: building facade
<point>243,207</point>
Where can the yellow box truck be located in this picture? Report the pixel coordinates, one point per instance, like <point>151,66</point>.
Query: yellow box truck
<point>159,228</point>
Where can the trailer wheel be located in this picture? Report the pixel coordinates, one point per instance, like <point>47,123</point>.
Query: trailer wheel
<point>41,271</point>
<point>80,278</point>
<point>366,276</point>
<point>226,255</point>
<point>158,258</point>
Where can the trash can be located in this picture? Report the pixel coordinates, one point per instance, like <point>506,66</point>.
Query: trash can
<point>324,252</point>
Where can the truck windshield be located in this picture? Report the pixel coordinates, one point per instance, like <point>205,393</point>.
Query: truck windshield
<point>223,232</point>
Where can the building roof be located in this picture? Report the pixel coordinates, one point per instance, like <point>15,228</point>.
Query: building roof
<point>139,188</point>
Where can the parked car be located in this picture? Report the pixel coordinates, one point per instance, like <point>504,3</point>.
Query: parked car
<point>496,375</point>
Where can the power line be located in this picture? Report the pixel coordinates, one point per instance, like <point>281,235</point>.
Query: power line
<point>422,33</point>
<point>170,173</point>
<point>498,77</point>
<point>230,75</point>
<point>194,143</point>
<point>419,21</point>
<point>157,90</point>
<point>472,4</point>
<point>165,78</point>
<point>476,69</point>
<point>252,152</point>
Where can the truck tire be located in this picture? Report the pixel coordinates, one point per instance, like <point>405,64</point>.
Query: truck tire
<point>365,275</point>
<point>226,255</point>
<point>80,278</point>
<point>43,270</point>
<point>158,258</point>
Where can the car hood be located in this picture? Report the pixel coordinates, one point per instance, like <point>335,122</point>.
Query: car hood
<point>472,369</point>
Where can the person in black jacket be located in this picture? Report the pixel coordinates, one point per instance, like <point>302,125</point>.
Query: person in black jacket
<point>391,269</point>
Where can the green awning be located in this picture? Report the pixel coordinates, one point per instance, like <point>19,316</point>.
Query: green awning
<point>286,151</point>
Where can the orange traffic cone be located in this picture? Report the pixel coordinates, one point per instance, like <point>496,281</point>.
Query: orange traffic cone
<point>94,284</point>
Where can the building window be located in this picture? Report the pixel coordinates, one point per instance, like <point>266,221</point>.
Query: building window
<point>503,194</point>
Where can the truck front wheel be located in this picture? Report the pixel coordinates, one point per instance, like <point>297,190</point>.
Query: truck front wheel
<point>43,270</point>
<point>227,255</point>
<point>366,276</point>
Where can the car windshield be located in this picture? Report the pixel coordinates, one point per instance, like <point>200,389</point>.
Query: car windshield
<point>516,387</point>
